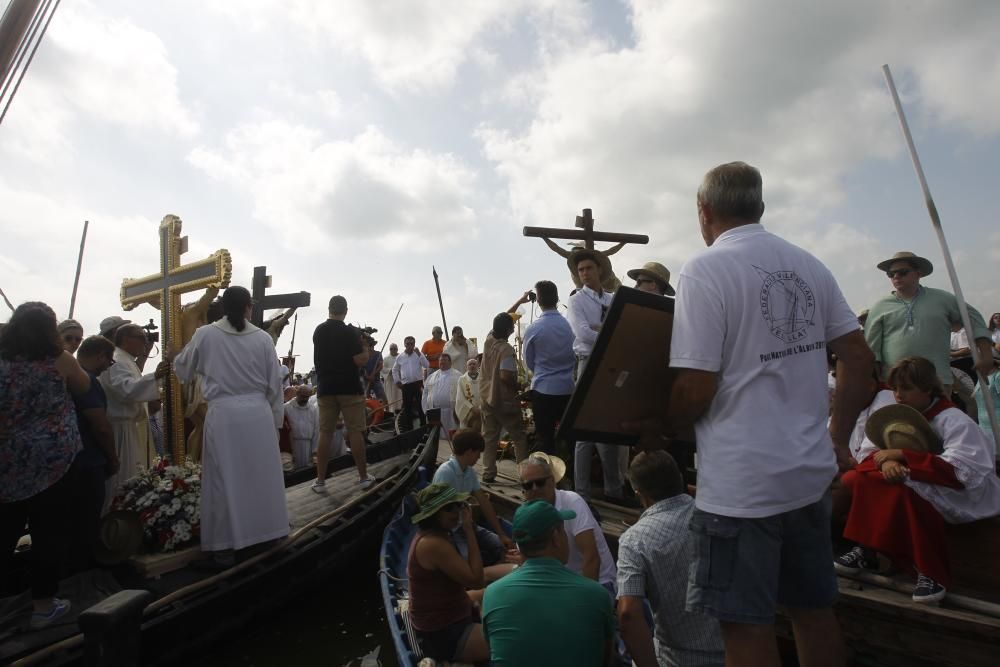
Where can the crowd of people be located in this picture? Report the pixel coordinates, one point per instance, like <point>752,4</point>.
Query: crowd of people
<point>782,449</point>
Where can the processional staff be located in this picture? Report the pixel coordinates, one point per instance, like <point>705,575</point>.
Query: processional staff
<point>939,230</point>
<point>437,285</point>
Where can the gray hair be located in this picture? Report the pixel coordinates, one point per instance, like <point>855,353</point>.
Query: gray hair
<point>533,461</point>
<point>733,190</point>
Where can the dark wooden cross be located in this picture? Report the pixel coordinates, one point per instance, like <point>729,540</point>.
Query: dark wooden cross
<point>163,290</point>
<point>586,233</point>
<point>262,301</point>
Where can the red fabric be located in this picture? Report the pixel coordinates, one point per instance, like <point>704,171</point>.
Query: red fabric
<point>894,520</point>
<point>285,437</point>
<point>937,408</point>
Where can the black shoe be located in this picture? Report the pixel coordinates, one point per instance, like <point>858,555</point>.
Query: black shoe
<point>856,560</point>
<point>928,590</point>
<point>489,479</point>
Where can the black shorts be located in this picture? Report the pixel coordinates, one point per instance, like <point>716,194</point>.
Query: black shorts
<point>448,642</point>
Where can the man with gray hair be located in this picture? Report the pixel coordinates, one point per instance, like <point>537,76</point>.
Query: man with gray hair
<point>653,560</point>
<point>754,318</point>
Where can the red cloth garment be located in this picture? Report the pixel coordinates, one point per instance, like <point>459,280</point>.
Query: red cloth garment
<point>895,520</point>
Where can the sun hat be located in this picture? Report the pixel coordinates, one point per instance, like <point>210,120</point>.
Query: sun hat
<point>902,427</point>
<point>119,537</point>
<point>533,519</point>
<point>434,497</point>
<point>657,272</point>
<point>578,254</point>
<point>922,264</point>
<point>66,325</point>
<point>557,464</point>
<point>109,324</point>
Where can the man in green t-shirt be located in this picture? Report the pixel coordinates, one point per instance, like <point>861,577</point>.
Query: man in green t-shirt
<point>916,321</point>
<point>543,614</point>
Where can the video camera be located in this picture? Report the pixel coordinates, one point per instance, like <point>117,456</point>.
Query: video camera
<point>151,331</point>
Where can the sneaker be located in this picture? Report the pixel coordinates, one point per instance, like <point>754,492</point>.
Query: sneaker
<point>43,619</point>
<point>489,479</point>
<point>927,589</point>
<point>319,486</point>
<point>856,560</point>
<point>367,482</point>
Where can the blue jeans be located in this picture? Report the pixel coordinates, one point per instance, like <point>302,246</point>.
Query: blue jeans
<point>491,549</point>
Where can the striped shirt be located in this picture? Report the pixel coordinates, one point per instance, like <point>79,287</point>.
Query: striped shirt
<point>653,560</point>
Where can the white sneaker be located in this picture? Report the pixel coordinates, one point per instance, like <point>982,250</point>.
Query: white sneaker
<point>367,482</point>
<point>319,486</point>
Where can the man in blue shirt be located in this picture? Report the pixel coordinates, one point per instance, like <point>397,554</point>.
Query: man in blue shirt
<point>548,353</point>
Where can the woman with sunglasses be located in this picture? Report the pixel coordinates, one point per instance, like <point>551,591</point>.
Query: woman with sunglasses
<point>39,439</point>
<point>448,628</point>
<point>71,333</point>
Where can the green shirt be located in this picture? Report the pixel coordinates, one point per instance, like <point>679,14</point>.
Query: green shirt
<point>543,614</point>
<point>926,332</point>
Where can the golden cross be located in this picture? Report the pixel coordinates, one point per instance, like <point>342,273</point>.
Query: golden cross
<point>164,290</point>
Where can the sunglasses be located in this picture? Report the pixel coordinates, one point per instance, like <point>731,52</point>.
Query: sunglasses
<point>535,483</point>
<point>72,339</point>
<point>898,272</point>
<point>453,507</point>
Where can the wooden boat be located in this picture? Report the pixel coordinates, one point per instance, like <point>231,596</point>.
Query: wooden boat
<point>191,609</point>
<point>880,623</point>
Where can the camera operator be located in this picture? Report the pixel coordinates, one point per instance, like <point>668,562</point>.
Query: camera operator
<point>548,354</point>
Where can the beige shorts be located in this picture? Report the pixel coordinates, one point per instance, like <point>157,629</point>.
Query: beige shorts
<point>352,406</point>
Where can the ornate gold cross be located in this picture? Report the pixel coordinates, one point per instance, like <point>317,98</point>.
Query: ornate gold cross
<point>164,290</point>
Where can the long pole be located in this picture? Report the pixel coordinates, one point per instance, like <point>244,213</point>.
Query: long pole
<point>948,261</point>
<point>386,340</point>
<point>295,326</point>
<point>79,264</point>
<point>437,285</point>
<point>7,301</point>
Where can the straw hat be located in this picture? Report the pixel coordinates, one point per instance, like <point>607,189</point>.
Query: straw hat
<point>434,497</point>
<point>119,537</point>
<point>902,427</point>
<point>557,464</point>
<point>657,272</point>
<point>576,254</point>
<point>922,264</point>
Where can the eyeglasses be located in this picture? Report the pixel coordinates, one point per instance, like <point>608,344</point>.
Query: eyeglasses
<point>535,483</point>
<point>898,272</point>
<point>72,339</point>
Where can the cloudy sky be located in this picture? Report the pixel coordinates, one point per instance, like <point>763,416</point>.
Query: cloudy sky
<point>350,146</point>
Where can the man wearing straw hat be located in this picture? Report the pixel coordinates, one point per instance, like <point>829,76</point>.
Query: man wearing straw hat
<point>652,277</point>
<point>916,321</point>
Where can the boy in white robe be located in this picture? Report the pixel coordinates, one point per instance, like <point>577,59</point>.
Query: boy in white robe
<point>439,392</point>
<point>303,417</point>
<point>243,491</point>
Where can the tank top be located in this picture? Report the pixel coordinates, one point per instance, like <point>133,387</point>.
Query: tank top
<point>436,600</point>
<point>39,436</point>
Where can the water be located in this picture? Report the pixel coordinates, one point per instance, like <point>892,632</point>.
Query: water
<point>340,624</point>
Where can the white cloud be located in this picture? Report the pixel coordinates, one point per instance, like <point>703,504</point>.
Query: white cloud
<point>94,66</point>
<point>364,188</point>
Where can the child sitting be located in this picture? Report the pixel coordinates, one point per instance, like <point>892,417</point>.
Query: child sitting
<point>914,476</point>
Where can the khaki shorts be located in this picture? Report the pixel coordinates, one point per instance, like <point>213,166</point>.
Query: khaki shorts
<point>352,406</point>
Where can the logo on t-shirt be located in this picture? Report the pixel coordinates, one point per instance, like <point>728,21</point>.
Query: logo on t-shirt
<point>786,303</point>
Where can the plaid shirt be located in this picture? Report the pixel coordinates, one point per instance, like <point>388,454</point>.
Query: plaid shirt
<point>653,560</point>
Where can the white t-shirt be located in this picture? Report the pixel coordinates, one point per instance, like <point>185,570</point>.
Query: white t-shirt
<point>861,446</point>
<point>759,311</point>
<point>568,500</point>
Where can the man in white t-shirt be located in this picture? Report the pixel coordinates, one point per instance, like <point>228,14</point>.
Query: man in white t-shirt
<point>753,318</point>
<point>588,550</point>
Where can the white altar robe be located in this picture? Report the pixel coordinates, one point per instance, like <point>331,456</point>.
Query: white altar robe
<point>128,390</point>
<point>460,355</point>
<point>439,392</point>
<point>304,421</point>
<point>393,396</point>
<point>243,491</point>
<point>466,398</point>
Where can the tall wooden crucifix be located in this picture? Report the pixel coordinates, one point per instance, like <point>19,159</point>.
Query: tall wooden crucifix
<point>587,234</point>
<point>262,301</point>
<point>164,290</point>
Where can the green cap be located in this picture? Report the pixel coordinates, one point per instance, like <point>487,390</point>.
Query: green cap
<point>533,519</point>
<point>432,498</point>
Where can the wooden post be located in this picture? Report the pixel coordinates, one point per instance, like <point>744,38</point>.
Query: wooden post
<point>112,628</point>
<point>79,265</point>
<point>585,223</point>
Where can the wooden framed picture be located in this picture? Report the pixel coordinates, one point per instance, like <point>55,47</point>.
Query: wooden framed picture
<point>628,375</point>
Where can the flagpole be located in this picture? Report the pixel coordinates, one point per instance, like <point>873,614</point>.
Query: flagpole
<point>437,286</point>
<point>948,261</point>
<point>79,265</point>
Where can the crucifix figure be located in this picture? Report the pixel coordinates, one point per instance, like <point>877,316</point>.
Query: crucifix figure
<point>262,302</point>
<point>163,290</point>
<point>587,235</point>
